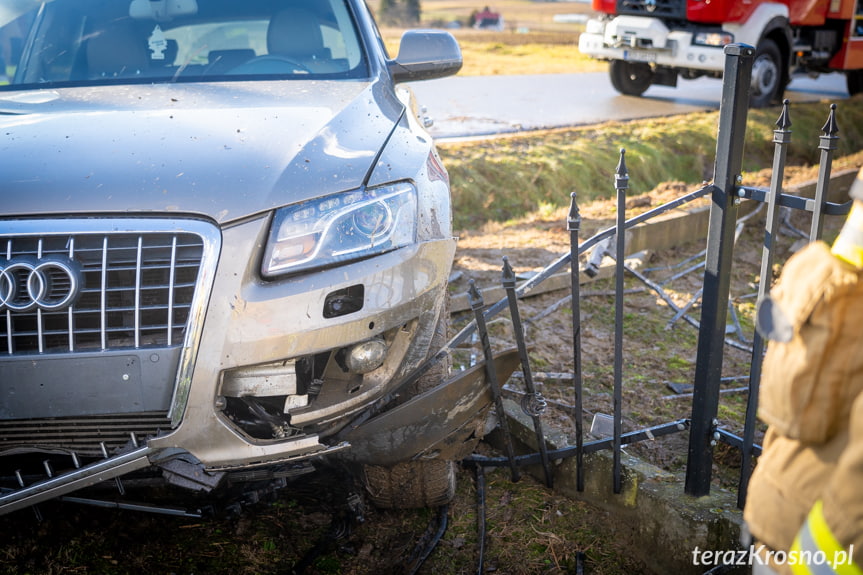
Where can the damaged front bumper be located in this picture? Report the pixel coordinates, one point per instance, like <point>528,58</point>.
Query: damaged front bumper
<point>440,423</point>
<point>264,373</point>
<point>443,422</point>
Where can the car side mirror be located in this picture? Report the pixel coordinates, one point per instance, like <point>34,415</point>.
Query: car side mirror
<point>425,55</point>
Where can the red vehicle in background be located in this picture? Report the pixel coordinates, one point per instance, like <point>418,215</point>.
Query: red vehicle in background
<point>656,41</point>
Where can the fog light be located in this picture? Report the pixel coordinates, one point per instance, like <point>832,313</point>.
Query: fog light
<point>367,356</point>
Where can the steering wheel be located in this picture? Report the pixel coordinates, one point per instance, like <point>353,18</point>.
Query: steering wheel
<point>270,64</point>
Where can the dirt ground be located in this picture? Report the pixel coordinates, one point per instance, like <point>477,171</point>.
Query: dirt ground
<point>310,528</point>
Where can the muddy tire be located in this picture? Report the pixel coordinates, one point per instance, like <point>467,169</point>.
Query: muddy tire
<point>630,78</point>
<point>425,482</point>
<point>411,485</point>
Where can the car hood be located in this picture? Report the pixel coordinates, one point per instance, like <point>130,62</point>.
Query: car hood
<point>224,150</point>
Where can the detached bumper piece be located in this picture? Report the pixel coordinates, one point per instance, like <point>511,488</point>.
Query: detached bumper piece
<point>436,423</point>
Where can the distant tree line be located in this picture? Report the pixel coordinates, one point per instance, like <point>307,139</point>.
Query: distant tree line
<point>399,12</point>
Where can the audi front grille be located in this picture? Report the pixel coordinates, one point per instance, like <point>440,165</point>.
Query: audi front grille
<point>86,291</point>
<point>99,325</point>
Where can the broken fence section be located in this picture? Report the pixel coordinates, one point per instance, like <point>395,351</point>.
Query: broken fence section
<point>727,192</point>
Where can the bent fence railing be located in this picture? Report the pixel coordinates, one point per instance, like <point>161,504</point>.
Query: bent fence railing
<point>726,194</point>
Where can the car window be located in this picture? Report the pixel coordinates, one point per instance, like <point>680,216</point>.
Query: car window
<point>83,42</point>
<point>13,31</point>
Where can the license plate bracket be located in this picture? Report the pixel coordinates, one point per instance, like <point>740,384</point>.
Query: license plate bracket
<point>640,56</point>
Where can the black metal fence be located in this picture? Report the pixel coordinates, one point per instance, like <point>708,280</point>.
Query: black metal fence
<point>726,194</point>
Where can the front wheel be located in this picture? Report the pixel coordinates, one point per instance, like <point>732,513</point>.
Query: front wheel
<point>854,81</point>
<point>411,484</point>
<point>422,482</point>
<point>630,78</point>
<point>767,81</point>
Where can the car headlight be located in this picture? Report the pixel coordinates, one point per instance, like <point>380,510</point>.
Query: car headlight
<point>341,227</point>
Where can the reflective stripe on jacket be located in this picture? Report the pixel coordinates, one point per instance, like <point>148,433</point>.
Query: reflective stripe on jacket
<point>816,551</point>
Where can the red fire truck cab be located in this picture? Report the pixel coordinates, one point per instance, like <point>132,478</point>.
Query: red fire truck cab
<point>656,41</point>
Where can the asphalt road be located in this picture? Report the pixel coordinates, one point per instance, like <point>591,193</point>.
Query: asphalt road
<point>469,106</point>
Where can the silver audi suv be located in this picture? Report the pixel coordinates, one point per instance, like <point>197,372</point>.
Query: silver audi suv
<point>225,240</point>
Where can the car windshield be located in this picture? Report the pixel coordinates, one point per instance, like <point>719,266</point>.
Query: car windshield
<point>88,42</point>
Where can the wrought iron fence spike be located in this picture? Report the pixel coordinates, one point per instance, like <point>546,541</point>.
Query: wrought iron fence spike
<point>621,177</point>
<point>784,121</point>
<point>831,128</point>
<point>474,296</point>
<point>507,275</point>
<point>827,143</point>
<point>573,221</point>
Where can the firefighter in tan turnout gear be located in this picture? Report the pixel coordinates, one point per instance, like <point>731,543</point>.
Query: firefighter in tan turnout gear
<point>804,505</point>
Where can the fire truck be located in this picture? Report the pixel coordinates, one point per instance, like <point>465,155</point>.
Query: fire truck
<point>658,41</point>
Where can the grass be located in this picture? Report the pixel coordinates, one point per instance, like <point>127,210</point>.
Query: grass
<point>532,43</point>
<point>496,58</point>
<point>506,53</point>
<point>527,531</point>
<point>529,176</point>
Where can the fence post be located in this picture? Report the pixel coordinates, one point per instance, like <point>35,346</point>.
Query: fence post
<point>827,145</point>
<point>573,224</point>
<point>733,110</point>
<point>533,403</point>
<point>477,303</point>
<point>781,141</point>
<point>621,183</point>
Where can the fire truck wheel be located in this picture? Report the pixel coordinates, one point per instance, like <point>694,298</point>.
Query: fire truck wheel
<point>854,81</point>
<point>767,82</point>
<point>630,78</point>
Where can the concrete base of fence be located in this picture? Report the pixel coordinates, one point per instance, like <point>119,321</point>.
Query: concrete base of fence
<point>661,525</point>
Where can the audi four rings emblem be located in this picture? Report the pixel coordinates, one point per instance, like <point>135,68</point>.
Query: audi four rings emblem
<point>28,283</point>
